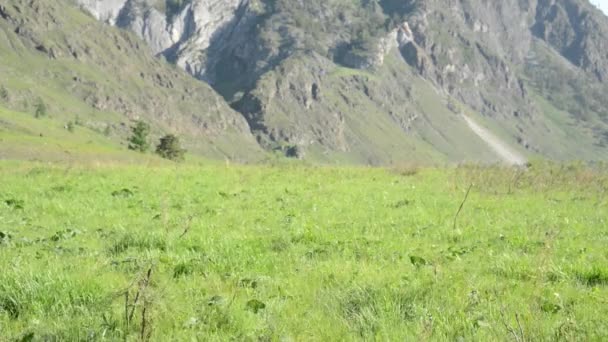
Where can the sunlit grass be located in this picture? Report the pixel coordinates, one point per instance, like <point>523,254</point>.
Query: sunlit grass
<point>303,253</point>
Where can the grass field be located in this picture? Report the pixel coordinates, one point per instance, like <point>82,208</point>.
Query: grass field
<point>296,253</point>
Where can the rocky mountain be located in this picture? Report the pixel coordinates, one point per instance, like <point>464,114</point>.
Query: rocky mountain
<point>55,56</point>
<point>388,81</point>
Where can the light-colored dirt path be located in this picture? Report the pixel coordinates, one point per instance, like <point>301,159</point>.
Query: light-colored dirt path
<point>505,152</point>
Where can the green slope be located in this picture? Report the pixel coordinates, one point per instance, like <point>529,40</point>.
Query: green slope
<point>320,78</point>
<point>54,54</point>
<point>389,115</point>
<point>23,137</point>
<point>300,90</point>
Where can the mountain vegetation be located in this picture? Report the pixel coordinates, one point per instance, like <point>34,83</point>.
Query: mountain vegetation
<point>139,137</point>
<point>366,81</point>
<point>60,63</point>
<point>169,148</point>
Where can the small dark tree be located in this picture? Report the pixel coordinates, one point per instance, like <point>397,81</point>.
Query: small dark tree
<point>4,94</point>
<point>169,148</point>
<point>70,126</point>
<point>40,109</point>
<point>139,137</point>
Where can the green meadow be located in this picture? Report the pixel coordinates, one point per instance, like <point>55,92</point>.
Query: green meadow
<point>213,252</point>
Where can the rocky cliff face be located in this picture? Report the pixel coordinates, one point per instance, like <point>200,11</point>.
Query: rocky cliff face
<point>183,32</point>
<point>576,30</point>
<point>330,76</point>
<point>483,43</point>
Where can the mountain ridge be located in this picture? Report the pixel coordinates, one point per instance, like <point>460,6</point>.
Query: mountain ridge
<point>384,81</point>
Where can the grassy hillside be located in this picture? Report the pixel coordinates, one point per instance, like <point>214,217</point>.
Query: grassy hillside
<point>24,137</point>
<point>56,56</point>
<point>386,116</point>
<point>327,77</point>
<point>297,253</point>
<point>296,89</point>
